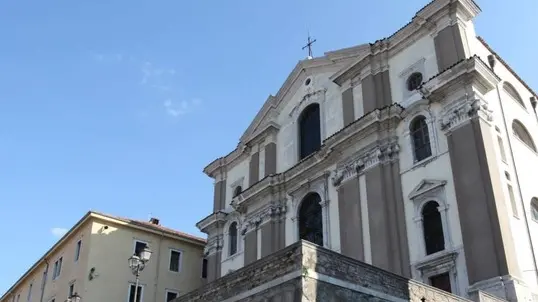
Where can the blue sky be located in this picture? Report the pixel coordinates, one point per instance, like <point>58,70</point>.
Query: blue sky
<point>117,105</point>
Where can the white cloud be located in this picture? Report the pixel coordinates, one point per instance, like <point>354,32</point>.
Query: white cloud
<point>58,232</point>
<point>177,109</point>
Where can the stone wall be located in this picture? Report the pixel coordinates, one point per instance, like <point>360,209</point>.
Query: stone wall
<point>306,272</point>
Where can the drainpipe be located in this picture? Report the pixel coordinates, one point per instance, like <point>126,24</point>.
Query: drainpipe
<point>44,282</point>
<point>492,60</point>
<point>158,267</point>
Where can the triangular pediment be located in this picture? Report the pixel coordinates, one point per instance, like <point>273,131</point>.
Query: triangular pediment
<point>334,60</point>
<point>426,185</point>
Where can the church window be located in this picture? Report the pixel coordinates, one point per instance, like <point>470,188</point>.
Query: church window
<point>511,91</point>
<point>310,219</point>
<point>534,209</point>
<point>232,235</point>
<point>309,131</point>
<point>433,228</point>
<point>307,82</point>
<point>414,81</point>
<point>237,191</point>
<point>521,132</point>
<point>442,282</point>
<point>420,138</point>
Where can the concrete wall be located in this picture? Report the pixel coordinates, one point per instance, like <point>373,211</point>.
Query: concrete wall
<point>112,247</point>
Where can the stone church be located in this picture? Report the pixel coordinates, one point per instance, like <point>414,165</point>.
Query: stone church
<point>399,170</point>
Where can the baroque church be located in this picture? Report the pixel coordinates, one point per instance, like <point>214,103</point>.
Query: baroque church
<point>399,170</point>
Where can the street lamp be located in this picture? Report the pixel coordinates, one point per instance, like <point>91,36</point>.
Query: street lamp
<point>137,264</point>
<point>73,298</point>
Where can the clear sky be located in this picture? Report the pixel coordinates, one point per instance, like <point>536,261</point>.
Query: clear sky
<point>117,106</point>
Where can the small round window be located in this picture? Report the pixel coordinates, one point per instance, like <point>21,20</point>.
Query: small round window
<point>307,82</point>
<point>414,81</point>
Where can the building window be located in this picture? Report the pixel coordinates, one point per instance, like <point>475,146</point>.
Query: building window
<point>53,300</point>
<point>71,289</point>
<point>237,191</point>
<point>414,81</point>
<point>441,282</point>
<point>310,219</point>
<point>511,91</point>
<point>171,295</point>
<point>175,261</point>
<point>204,268</point>
<point>512,201</point>
<point>139,246</point>
<point>232,238</point>
<point>420,138</point>
<point>77,250</point>
<point>521,132</point>
<point>434,238</point>
<point>139,293</point>
<point>534,209</point>
<point>29,297</point>
<point>501,148</point>
<point>309,131</point>
<point>57,268</point>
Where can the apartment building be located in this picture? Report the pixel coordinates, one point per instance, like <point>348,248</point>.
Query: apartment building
<point>91,260</point>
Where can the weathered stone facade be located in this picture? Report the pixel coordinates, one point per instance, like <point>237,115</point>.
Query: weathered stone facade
<point>307,272</point>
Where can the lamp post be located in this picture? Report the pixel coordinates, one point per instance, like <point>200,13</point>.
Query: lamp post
<point>73,298</point>
<point>137,264</point>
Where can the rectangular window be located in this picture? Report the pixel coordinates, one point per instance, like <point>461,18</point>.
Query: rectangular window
<point>441,282</point>
<point>29,298</point>
<point>139,246</point>
<point>71,289</point>
<point>139,293</point>
<point>501,148</point>
<point>77,250</point>
<point>175,261</point>
<point>171,295</point>
<point>57,268</point>
<point>512,201</point>
<point>204,268</point>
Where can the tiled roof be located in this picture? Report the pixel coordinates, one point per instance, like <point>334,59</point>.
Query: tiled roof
<point>506,65</point>
<point>155,227</point>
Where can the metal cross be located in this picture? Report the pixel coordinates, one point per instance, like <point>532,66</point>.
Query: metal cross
<point>309,45</point>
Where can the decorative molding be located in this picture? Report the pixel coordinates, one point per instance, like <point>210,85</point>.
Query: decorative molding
<point>425,186</point>
<point>317,96</point>
<point>366,160</point>
<point>437,263</point>
<point>214,245</point>
<point>462,111</point>
<point>265,214</point>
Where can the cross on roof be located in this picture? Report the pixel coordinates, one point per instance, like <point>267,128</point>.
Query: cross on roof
<point>309,46</point>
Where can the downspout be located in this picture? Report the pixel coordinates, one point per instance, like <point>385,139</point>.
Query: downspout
<point>491,60</point>
<point>158,267</point>
<point>44,282</point>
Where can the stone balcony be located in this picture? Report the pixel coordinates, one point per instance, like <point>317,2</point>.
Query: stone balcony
<point>306,272</point>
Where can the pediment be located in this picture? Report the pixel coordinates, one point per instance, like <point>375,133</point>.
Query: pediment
<point>330,62</point>
<point>425,186</point>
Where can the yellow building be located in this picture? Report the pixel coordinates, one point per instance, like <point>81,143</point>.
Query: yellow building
<point>92,260</point>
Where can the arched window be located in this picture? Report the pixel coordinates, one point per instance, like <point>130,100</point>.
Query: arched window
<point>414,81</point>
<point>420,138</point>
<point>534,209</point>
<point>521,132</point>
<point>309,131</point>
<point>310,221</point>
<point>237,191</point>
<point>232,236</point>
<point>508,88</point>
<point>433,228</point>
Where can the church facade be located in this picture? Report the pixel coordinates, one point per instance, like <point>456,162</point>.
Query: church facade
<point>414,154</point>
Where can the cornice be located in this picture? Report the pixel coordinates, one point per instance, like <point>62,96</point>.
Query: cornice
<point>211,221</point>
<point>263,215</point>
